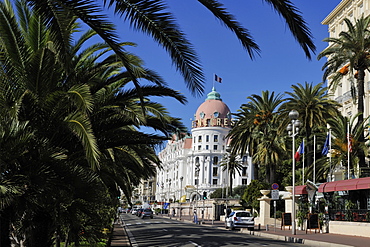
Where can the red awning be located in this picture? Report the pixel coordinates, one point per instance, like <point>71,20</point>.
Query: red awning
<point>322,187</point>
<point>363,183</point>
<point>342,185</point>
<point>346,185</point>
<point>330,186</point>
<point>300,190</point>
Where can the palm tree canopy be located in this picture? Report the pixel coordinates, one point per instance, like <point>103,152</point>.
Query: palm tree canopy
<point>312,103</point>
<point>351,48</point>
<point>153,18</point>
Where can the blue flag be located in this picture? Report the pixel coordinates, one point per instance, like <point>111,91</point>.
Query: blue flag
<point>325,149</point>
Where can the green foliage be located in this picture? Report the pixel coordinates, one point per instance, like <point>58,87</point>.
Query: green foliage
<point>252,193</point>
<point>218,193</point>
<point>239,191</point>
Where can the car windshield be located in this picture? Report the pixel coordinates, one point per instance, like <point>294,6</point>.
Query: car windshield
<point>147,210</point>
<point>243,214</point>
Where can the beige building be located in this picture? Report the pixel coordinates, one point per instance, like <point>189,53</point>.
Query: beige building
<point>351,9</point>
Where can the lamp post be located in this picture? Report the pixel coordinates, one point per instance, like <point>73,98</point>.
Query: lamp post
<point>197,169</point>
<point>169,190</point>
<point>180,213</point>
<point>162,197</point>
<point>293,129</point>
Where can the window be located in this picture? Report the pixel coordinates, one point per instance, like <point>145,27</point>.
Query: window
<point>215,138</point>
<point>244,171</point>
<point>215,160</point>
<point>215,171</point>
<point>214,147</point>
<point>194,139</point>
<point>196,181</point>
<point>199,138</point>
<point>214,181</point>
<point>243,214</point>
<point>244,181</point>
<point>199,147</point>
<point>207,147</point>
<point>207,138</point>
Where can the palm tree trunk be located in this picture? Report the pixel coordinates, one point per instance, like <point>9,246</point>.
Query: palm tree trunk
<point>5,227</point>
<point>360,109</point>
<point>231,185</point>
<point>272,174</point>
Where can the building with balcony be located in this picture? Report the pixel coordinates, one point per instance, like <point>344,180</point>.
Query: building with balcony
<point>194,165</point>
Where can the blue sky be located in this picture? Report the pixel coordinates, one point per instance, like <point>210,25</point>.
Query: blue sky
<point>282,62</point>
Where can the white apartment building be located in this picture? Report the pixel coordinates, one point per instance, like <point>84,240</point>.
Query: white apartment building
<point>351,9</point>
<point>192,164</point>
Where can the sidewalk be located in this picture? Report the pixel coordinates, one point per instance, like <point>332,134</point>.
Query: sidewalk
<point>120,237</point>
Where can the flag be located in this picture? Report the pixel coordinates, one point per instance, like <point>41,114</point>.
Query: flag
<point>325,149</point>
<point>349,139</point>
<point>218,79</point>
<point>299,152</point>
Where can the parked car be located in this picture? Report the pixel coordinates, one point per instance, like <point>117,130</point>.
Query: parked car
<point>138,213</point>
<point>239,219</point>
<point>146,213</point>
<point>133,211</point>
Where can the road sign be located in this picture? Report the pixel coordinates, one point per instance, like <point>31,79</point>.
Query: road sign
<point>275,186</point>
<point>275,194</point>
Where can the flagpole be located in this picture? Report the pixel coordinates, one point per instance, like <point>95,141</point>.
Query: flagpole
<point>348,159</point>
<point>330,154</point>
<point>303,165</point>
<point>314,159</point>
<point>214,76</point>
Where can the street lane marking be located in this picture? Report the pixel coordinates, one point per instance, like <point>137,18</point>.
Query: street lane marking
<point>195,244</point>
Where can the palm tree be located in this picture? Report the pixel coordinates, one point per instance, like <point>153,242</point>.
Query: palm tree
<point>73,104</point>
<point>340,143</point>
<point>152,17</point>
<point>314,107</point>
<point>350,53</point>
<point>231,165</point>
<point>256,130</point>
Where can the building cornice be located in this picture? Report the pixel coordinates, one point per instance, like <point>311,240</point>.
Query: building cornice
<point>335,12</point>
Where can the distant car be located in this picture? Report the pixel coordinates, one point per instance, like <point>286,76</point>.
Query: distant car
<point>147,212</point>
<point>138,213</point>
<point>134,211</point>
<point>239,219</point>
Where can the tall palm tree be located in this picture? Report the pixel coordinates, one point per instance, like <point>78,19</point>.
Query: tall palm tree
<point>256,130</point>
<point>340,143</point>
<point>152,17</point>
<point>73,104</point>
<point>231,165</point>
<point>350,51</point>
<point>314,107</point>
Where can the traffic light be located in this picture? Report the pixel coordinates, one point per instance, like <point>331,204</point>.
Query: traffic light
<point>204,195</point>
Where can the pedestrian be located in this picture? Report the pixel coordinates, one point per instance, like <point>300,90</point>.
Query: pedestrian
<point>173,212</point>
<point>195,217</point>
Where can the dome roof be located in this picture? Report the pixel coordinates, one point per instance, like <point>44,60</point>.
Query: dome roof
<point>212,108</point>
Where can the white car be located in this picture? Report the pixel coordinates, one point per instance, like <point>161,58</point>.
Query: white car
<point>134,211</point>
<point>239,219</point>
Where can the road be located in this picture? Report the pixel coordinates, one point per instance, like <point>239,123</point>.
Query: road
<point>165,232</point>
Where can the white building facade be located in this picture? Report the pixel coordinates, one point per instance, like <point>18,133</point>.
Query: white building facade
<point>352,10</point>
<point>192,166</point>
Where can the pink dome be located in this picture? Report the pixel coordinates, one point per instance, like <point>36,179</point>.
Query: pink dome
<point>212,112</point>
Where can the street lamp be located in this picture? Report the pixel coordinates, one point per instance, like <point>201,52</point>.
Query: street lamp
<point>162,197</point>
<point>293,129</point>
<point>197,169</point>
<point>181,178</point>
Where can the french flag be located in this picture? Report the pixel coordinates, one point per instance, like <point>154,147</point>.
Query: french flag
<point>299,152</point>
<point>218,79</point>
